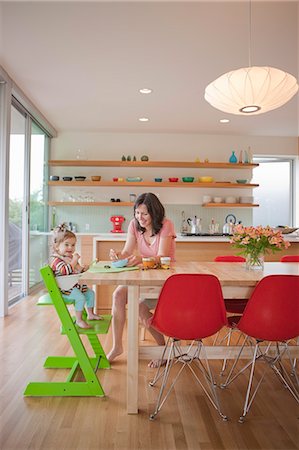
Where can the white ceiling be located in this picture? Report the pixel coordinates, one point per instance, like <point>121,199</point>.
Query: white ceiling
<point>82,63</point>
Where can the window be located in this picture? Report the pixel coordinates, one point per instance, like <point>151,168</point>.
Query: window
<point>275,176</point>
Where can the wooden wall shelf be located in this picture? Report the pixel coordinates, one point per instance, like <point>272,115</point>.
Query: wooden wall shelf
<point>182,164</point>
<point>151,184</point>
<point>230,205</point>
<point>53,203</point>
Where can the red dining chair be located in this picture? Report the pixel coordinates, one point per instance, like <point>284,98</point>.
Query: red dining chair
<point>271,315</point>
<point>232,306</point>
<point>190,307</point>
<point>289,258</point>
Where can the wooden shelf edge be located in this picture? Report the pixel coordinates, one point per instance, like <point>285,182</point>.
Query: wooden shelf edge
<point>52,203</point>
<point>182,164</point>
<point>230,205</point>
<point>151,184</point>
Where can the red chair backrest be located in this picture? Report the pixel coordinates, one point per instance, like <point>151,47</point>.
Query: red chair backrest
<point>290,258</point>
<point>272,312</point>
<point>190,306</point>
<point>229,258</point>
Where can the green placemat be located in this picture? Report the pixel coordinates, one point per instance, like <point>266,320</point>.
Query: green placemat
<point>99,268</point>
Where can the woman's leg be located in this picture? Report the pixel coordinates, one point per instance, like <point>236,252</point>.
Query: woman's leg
<point>119,301</point>
<point>144,316</point>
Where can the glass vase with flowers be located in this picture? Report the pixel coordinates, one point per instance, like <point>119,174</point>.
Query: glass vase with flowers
<point>255,242</point>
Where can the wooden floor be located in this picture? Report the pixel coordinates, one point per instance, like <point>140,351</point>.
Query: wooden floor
<point>187,421</point>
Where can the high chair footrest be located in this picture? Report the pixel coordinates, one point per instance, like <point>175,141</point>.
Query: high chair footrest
<point>67,362</point>
<point>97,326</point>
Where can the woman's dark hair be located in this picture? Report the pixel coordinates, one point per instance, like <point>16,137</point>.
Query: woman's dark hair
<point>155,209</point>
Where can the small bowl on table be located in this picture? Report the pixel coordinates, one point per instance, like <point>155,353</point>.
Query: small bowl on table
<point>119,263</point>
<point>158,179</point>
<point>149,263</point>
<point>67,178</point>
<point>242,181</point>
<point>173,179</point>
<point>80,178</point>
<point>96,178</point>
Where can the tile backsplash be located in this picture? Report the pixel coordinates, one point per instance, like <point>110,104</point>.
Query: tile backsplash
<point>96,219</point>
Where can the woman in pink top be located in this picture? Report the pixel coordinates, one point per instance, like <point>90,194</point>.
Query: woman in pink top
<point>152,235</point>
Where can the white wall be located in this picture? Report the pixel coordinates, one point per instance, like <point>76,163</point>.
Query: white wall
<point>176,147</point>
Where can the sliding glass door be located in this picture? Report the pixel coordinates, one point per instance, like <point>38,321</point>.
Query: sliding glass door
<point>38,218</point>
<point>17,201</point>
<point>28,241</point>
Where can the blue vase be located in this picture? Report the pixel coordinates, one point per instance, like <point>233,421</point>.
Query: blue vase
<point>233,158</point>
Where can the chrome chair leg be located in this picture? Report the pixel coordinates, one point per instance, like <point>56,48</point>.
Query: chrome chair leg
<point>175,356</point>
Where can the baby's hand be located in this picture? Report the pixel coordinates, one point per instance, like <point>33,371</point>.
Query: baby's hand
<point>76,258</point>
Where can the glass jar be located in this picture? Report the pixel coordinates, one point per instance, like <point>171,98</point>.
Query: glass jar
<point>255,261</point>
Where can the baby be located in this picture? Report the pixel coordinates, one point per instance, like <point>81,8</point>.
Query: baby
<point>65,261</point>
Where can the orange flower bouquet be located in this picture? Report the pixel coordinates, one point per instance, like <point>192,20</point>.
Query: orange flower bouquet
<point>255,242</point>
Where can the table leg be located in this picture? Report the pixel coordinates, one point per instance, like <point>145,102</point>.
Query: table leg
<point>132,364</point>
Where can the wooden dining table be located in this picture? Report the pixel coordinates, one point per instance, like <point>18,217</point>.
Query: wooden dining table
<point>235,279</point>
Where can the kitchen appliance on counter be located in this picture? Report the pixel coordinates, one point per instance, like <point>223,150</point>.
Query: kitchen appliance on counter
<point>195,224</point>
<point>229,223</point>
<point>117,223</point>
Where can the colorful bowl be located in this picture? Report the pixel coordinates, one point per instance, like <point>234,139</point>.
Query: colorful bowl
<point>188,179</point>
<point>119,263</point>
<point>173,179</point>
<point>242,181</point>
<point>206,179</point>
<point>96,178</point>
<point>158,180</point>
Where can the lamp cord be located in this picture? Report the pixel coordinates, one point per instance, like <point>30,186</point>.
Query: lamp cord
<point>249,43</point>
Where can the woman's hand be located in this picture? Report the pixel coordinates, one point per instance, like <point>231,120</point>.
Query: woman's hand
<point>113,255</point>
<point>134,260</point>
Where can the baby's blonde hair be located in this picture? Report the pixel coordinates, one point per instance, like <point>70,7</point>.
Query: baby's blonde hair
<point>60,234</point>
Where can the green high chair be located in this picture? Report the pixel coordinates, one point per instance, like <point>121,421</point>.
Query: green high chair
<point>88,364</point>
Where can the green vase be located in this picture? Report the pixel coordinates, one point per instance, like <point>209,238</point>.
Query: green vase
<point>233,159</point>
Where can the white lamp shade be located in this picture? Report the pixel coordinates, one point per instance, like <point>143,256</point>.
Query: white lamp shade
<point>262,88</point>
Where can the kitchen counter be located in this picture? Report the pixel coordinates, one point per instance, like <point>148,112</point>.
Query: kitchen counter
<point>211,238</point>
<point>294,237</point>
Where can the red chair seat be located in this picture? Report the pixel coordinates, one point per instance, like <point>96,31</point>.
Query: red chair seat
<point>290,258</point>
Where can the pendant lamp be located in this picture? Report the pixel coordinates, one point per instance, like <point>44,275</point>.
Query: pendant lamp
<point>251,90</point>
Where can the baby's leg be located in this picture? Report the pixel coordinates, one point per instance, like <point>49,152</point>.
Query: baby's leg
<point>89,296</point>
<point>79,300</point>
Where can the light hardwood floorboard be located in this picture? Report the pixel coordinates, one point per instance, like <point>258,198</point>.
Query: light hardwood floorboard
<point>186,422</point>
